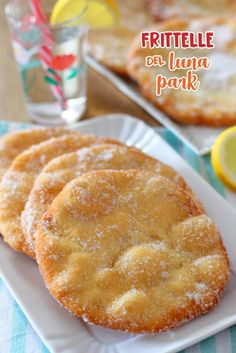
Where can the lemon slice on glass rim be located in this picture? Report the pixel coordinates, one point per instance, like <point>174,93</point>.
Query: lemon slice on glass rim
<point>223,157</point>
<point>95,13</point>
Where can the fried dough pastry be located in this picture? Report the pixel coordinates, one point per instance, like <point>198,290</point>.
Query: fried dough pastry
<point>166,9</point>
<point>63,169</point>
<point>214,103</point>
<point>131,251</point>
<point>16,142</point>
<point>19,179</point>
<point>110,45</point>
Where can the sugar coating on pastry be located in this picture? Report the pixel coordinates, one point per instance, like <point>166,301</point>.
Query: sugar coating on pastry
<point>17,183</point>
<point>214,103</point>
<point>131,251</point>
<point>16,142</point>
<point>166,9</point>
<point>110,45</point>
<point>63,169</point>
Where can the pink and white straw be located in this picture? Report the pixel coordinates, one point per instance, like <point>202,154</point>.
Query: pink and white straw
<point>45,54</point>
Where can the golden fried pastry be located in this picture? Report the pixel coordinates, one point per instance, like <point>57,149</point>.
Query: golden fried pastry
<point>165,9</point>
<point>214,103</point>
<point>131,251</point>
<point>134,15</point>
<point>19,179</point>
<point>110,45</point>
<point>63,169</point>
<point>16,142</point>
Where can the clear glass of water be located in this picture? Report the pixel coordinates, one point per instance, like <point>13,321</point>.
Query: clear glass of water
<point>51,64</point>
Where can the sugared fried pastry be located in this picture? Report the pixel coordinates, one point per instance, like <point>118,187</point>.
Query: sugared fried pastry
<point>214,103</point>
<point>19,179</point>
<point>131,251</point>
<point>16,142</point>
<point>63,169</point>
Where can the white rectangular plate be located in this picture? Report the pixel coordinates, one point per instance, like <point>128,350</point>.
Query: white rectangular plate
<point>62,332</point>
<point>199,138</point>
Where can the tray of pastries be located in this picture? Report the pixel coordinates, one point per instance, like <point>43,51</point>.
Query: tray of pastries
<point>195,117</point>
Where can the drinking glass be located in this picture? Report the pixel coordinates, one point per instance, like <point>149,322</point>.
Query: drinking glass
<point>51,63</point>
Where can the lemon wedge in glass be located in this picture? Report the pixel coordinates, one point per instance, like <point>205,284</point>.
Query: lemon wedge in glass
<point>95,13</point>
<point>223,157</point>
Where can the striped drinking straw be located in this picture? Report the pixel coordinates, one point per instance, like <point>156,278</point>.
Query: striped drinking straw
<point>45,53</point>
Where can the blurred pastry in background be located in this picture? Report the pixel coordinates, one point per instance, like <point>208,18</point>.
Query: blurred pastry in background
<point>110,45</point>
<point>165,9</point>
<point>134,15</point>
<point>214,103</point>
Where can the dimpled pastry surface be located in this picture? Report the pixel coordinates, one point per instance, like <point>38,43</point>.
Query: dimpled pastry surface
<point>131,251</point>
<point>17,183</point>
<point>63,169</point>
<point>213,104</point>
<point>16,142</point>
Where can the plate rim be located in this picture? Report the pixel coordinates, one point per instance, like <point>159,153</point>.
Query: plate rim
<point>122,118</point>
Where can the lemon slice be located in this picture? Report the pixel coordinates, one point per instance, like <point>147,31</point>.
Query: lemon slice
<point>95,13</point>
<point>223,157</point>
